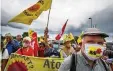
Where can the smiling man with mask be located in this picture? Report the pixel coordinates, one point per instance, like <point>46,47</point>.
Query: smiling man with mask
<point>89,59</point>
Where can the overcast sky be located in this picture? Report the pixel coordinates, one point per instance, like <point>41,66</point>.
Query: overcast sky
<point>77,11</point>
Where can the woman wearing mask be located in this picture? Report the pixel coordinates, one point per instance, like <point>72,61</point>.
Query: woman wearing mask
<point>26,49</point>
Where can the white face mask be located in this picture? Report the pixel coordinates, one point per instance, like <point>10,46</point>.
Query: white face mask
<point>94,51</point>
<point>26,45</point>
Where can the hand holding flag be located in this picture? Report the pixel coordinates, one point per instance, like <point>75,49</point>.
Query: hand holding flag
<point>35,44</point>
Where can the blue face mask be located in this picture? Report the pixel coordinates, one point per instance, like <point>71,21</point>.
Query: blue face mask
<point>94,51</point>
<point>55,45</point>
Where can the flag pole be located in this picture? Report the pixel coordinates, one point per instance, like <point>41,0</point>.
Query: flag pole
<point>46,29</point>
<point>49,14</point>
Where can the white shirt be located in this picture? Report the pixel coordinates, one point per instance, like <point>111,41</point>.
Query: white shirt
<point>5,54</point>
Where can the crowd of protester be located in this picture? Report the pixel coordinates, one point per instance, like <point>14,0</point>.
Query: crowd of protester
<point>22,45</point>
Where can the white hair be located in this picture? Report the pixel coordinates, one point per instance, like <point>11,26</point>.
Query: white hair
<point>27,38</point>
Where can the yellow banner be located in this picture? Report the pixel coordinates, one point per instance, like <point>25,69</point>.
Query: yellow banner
<point>28,63</point>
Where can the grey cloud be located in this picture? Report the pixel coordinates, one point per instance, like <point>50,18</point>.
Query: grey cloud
<point>73,30</point>
<point>4,21</point>
<point>104,19</point>
<point>4,17</point>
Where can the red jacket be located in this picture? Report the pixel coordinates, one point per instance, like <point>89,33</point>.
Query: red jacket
<point>41,52</point>
<point>26,51</point>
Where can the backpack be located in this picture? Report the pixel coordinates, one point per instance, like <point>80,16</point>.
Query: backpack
<point>74,63</point>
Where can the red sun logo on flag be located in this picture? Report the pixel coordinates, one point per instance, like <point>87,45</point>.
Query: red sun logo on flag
<point>34,7</point>
<point>17,66</point>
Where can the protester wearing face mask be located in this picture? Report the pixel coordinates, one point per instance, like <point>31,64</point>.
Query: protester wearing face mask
<point>89,58</point>
<point>26,49</point>
<point>67,49</point>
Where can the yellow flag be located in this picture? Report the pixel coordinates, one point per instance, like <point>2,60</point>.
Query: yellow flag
<point>47,5</point>
<point>79,40</point>
<point>30,32</point>
<point>32,13</point>
<point>65,38</point>
<point>70,36</point>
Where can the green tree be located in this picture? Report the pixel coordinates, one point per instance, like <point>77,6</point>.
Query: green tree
<point>25,34</point>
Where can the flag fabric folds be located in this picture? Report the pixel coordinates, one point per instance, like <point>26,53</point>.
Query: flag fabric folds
<point>68,37</point>
<point>71,37</point>
<point>30,33</point>
<point>32,13</point>
<point>34,43</point>
<point>62,31</point>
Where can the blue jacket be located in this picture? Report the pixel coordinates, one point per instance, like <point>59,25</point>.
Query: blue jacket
<point>12,46</point>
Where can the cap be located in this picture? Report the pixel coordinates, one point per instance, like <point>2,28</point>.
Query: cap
<point>94,31</point>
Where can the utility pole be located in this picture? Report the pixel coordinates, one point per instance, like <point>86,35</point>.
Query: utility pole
<point>91,22</point>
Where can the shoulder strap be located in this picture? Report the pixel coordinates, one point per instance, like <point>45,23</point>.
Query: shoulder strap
<point>73,62</point>
<point>104,64</point>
